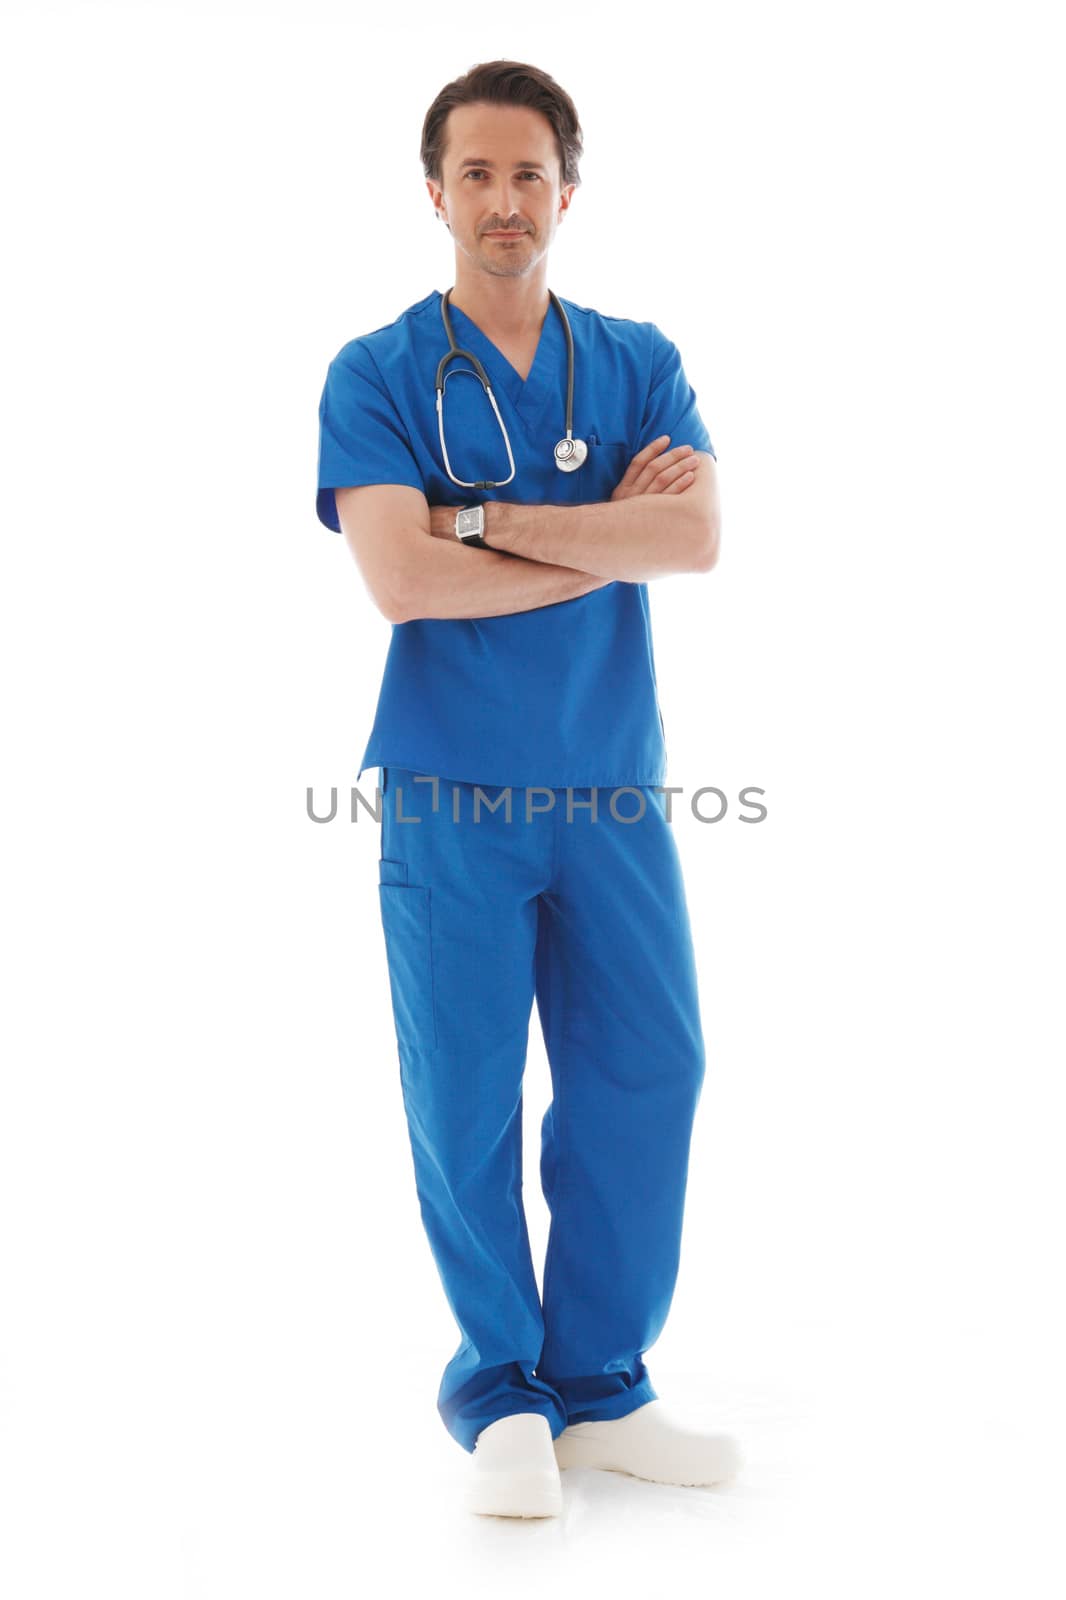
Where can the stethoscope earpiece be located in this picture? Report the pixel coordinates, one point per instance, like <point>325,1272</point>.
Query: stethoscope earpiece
<point>570,453</point>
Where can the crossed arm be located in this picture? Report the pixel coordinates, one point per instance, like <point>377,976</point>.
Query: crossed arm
<point>631,540</point>
<point>663,518</point>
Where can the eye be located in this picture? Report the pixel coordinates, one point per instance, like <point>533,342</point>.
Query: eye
<point>526,174</point>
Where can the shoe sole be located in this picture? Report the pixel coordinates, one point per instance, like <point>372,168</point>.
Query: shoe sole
<point>575,1453</point>
<point>515,1495</point>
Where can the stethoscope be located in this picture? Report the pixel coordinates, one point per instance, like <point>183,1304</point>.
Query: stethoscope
<point>569,452</point>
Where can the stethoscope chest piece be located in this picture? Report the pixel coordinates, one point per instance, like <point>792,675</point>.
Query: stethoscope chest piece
<point>570,454</point>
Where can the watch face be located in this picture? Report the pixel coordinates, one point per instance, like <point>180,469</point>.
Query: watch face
<point>469,520</point>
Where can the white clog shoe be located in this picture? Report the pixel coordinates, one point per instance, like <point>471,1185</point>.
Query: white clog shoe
<point>514,1472</point>
<point>649,1443</point>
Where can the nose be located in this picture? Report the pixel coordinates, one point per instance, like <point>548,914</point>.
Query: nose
<point>505,200</point>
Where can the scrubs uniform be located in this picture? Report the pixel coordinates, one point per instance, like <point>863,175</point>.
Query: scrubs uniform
<point>538,863</point>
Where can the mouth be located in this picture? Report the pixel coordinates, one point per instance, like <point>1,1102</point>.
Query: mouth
<point>507,233</point>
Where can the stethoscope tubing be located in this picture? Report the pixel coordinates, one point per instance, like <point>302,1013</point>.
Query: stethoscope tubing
<point>442,378</point>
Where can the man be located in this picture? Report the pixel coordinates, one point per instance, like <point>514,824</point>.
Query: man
<point>526,846</point>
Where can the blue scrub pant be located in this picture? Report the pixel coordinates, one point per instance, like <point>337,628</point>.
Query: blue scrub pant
<point>589,918</point>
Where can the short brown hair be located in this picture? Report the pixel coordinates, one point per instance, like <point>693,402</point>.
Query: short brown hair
<point>505,83</point>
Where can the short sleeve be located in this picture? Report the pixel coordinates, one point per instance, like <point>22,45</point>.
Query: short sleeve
<point>361,438</point>
<point>671,403</point>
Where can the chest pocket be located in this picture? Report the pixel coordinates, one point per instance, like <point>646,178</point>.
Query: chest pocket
<point>606,464</point>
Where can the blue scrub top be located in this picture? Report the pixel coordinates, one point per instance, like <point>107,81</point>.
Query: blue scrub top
<point>562,695</point>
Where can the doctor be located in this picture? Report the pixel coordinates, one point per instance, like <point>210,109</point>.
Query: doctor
<point>527,853</point>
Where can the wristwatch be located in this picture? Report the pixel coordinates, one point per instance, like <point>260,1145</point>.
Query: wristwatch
<point>470,525</point>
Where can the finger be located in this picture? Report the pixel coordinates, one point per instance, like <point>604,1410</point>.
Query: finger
<point>672,475</point>
<point>651,449</point>
<point>648,475</point>
<point>642,457</point>
<point>680,483</point>
<point>665,463</point>
<point>678,470</point>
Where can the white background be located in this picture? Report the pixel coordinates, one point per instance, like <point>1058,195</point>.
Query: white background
<point>222,1329</point>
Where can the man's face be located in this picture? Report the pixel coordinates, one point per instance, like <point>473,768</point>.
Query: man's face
<point>500,170</point>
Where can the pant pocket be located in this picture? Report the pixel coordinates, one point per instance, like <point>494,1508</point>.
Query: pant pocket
<point>406,918</point>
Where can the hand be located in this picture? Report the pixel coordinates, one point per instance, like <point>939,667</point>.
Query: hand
<point>657,470</point>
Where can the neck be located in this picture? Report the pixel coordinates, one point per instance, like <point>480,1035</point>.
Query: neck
<point>512,308</point>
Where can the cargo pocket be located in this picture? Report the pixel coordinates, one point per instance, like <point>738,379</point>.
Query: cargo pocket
<point>405,918</point>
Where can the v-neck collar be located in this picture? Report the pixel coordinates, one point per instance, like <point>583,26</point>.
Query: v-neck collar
<point>528,395</point>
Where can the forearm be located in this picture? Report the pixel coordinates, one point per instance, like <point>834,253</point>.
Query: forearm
<point>457,580</point>
<point>630,540</point>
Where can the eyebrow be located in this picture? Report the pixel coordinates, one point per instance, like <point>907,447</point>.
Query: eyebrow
<point>480,161</point>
